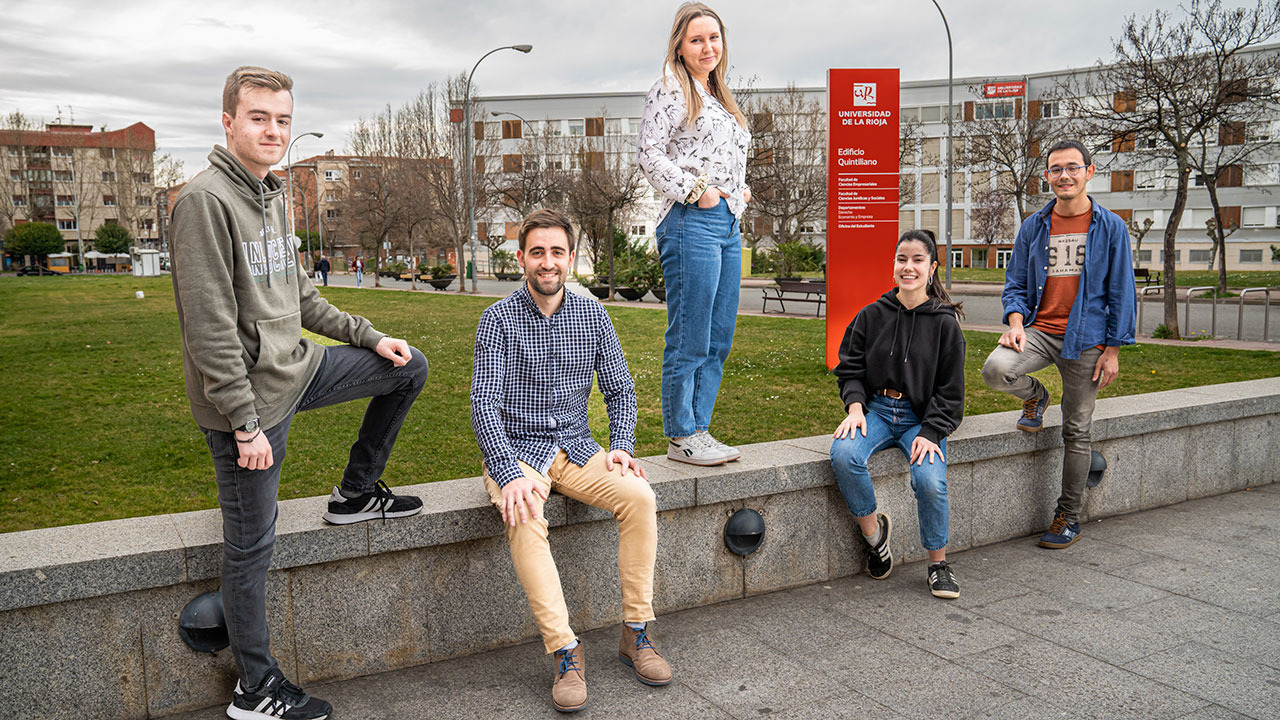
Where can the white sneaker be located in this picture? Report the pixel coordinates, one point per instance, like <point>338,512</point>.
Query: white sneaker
<point>729,450</point>
<point>695,450</point>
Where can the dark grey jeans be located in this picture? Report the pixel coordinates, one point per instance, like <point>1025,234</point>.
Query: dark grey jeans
<point>1008,370</point>
<point>248,497</point>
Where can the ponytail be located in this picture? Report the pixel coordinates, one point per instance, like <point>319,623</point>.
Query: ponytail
<point>934,287</point>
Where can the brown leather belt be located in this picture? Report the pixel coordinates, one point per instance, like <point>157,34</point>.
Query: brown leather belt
<point>890,393</point>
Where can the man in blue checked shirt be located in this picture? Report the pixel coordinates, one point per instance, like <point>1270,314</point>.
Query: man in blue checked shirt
<point>536,351</point>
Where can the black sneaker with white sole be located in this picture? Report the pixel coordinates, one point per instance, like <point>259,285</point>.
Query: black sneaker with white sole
<point>879,557</point>
<point>380,503</point>
<point>276,699</point>
<point>942,581</point>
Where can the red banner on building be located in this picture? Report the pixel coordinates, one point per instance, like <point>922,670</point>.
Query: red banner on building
<point>1004,89</point>
<point>862,194</point>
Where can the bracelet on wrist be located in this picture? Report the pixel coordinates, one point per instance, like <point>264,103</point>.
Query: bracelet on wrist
<point>699,187</point>
<point>255,437</point>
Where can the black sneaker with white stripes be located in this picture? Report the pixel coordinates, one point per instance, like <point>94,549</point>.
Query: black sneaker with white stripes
<point>942,581</point>
<point>380,503</point>
<point>276,699</point>
<point>879,557</point>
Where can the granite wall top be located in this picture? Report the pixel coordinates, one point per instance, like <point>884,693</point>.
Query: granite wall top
<point>51,565</point>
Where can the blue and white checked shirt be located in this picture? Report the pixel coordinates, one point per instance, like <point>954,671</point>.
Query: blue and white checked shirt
<point>532,378</point>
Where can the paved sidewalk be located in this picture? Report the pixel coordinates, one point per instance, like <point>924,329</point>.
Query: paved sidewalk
<point>1170,613</point>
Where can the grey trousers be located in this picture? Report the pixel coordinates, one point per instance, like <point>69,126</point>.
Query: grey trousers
<point>1007,370</point>
<point>248,497</point>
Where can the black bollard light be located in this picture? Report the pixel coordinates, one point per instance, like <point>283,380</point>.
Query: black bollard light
<point>1097,466</point>
<point>744,532</point>
<point>202,625</point>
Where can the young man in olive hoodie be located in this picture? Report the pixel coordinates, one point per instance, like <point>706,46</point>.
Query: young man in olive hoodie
<point>243,299</point>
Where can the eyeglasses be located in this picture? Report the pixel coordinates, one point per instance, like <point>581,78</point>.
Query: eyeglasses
<point>1070,170</point>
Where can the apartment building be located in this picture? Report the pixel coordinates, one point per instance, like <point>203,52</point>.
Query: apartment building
<point>1132,180</point>
<point>79,179</point>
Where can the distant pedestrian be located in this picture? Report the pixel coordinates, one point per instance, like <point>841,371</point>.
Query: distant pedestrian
<point>323,267</point>
<point>358,266</point>
<point>693,149</point>
<point>243,299</point>
<point>1069,301</point>
<point>901,376</point>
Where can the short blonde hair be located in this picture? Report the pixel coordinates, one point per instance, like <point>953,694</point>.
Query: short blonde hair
<point>251,76</point>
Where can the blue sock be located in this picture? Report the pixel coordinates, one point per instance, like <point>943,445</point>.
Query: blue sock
<point>636,626</point>
<point>569,647</point>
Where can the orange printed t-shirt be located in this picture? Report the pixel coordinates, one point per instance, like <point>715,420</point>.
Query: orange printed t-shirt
<point>1066,257</point>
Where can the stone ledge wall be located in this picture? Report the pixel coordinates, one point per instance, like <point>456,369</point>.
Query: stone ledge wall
<point>99,602</point>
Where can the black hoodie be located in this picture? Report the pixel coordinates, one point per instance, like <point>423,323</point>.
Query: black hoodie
<point>918,352</point>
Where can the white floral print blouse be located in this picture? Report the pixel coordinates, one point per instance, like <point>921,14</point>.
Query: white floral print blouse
<point>673,155</point>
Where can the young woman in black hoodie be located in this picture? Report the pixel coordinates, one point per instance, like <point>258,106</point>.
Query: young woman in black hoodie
<point>901,376</point>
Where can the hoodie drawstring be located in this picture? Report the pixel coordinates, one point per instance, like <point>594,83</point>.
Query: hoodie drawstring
<point>262,202</point>
<point>894,344</point>
<point>910,337</point>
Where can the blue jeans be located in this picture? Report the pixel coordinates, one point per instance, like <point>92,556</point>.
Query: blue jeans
<point>892,422</point>
<point>701,252</point>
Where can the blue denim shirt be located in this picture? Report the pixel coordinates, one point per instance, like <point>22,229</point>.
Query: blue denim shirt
<point>1103,313</point>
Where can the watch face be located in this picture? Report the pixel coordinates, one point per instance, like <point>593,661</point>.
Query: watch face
<point>251,425</point>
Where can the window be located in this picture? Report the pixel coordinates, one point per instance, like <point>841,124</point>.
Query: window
<point>613,126</point>
<point>978,258</point>
<point>957,258</point>
<point>142,177</point>
<point>331,214</point>
<point>1254,217</point>
<point>577,128</point>
<point>66,200</point>
<point>15,176</point>
<point>1144,256</point>
<point>1003,257</point>
<point>512,130</point>
<point>107,152</point>
<point>144,200</point>
<point>637,230</point>
<point>1148,180</point>
<point>989,110</point>
<point>108,176</point>
<point>148,224</point>
<point>64,152</point>
<point>931,114</point>
<point>331,197</point>
<point>354,173</point>
<point>633,126</point>
<point>19,200</point>
<point>553,128</point>
<point>1201,256</point>
<point>109,200</point>
<point>1050,109</point>
<point>69,224</point>
<point>332,175</point>
<point>1264,174</point>
<point>63,176</point>
<point>808,229</point>
<point>1251,256</point>
<point>1258,131</point>
<point>14,151</point>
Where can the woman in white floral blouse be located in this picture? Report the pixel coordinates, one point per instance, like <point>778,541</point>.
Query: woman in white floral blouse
<point>693,149</point>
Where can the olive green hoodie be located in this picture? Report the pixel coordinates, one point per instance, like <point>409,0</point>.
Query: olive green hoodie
<point>243,300</point>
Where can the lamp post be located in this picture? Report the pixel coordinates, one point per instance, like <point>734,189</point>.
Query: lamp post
<point>467,132</point>
<point>288,178</point>
<point>951,121</point>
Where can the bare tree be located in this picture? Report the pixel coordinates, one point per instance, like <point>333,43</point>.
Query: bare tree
<point>910,139</point>
<point>16,177</point>
<point>1011,147</point>
<point>1172,81</point>
<point>375,205</point>
<point>603,187</point>
<point>787,172</point>
<point>1138,232</point>
<point>991,215</point>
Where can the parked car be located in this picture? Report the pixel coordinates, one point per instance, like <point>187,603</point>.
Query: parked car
<point>35,270</point>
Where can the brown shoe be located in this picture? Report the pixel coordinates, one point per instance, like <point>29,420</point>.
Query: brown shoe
<point>637,651</point>
<point>569,692</point>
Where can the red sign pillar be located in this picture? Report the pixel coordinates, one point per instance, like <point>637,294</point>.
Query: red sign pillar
<point>862,194</point>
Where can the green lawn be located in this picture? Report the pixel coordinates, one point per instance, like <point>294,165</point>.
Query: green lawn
<point>94,422</point>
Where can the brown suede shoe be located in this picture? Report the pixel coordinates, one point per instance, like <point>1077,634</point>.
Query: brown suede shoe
<point>636,650</point>
<point>569,692</point>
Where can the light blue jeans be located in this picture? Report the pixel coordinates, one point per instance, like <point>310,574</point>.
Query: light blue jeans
<point>701,252</point>
<point>892,422</point>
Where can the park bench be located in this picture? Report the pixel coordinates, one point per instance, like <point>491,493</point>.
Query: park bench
<point>802,291</point>
<point>1146,277</point>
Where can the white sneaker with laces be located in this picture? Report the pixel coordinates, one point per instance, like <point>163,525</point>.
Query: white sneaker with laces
<point>695,450</point>
<point>729,450</point>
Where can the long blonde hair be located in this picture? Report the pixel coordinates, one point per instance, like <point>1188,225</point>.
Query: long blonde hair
<point>716,84</point>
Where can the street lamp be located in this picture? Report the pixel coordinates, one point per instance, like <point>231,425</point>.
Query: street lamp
<point>951,121</point>
<point>288,178</point>
<point>467,132</point>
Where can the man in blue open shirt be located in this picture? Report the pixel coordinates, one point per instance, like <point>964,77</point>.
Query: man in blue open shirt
<point>1069,301</point>
<point>536,352</point>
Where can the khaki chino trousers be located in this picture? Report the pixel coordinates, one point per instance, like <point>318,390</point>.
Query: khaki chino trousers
<point>628,497</point>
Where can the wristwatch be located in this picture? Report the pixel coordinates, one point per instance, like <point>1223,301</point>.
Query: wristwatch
<point>250,426</point>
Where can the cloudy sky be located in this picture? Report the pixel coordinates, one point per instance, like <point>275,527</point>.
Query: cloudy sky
<point>117,62</point>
